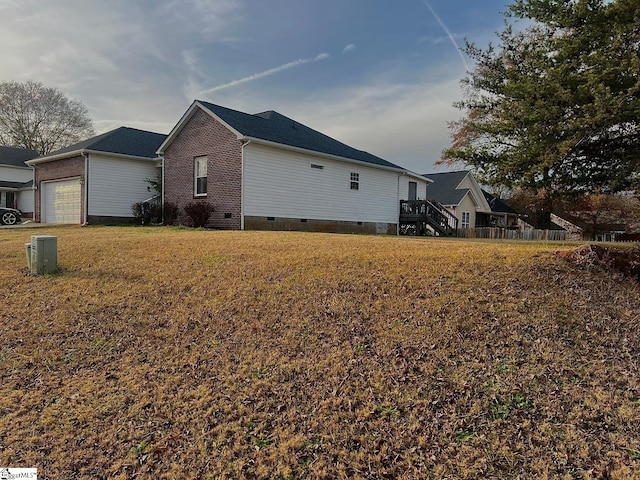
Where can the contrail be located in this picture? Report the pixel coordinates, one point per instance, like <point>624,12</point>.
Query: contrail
<point>449,34</point>
<point>266,73</point>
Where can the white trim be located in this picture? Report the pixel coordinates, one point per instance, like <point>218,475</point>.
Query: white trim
<point>196,161</point>
<point>476,193</point>
<point>84,218</point>
<point>4,165</point>
<point>183,121</point>
<point>462,222</point>
<point>83,151</point>
<point>242,181</point>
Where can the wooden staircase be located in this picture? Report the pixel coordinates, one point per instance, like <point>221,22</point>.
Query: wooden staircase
<point>417,217</point>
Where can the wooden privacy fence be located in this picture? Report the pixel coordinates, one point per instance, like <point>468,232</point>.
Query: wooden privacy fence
<point>506,234</point>
<point>627,237</point>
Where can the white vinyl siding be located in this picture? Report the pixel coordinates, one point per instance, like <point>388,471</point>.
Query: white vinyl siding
<point>15,174</point>
<point>421,188</point>
<point>25,200</point>
<point>116,183</point>
<point>61,201</point>
<point>281,183</point>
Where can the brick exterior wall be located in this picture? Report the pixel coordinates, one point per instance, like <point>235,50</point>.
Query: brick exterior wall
<point>203,135</point>
<point>66,168</point>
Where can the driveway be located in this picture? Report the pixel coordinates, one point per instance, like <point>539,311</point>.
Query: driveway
<point>30,225</point>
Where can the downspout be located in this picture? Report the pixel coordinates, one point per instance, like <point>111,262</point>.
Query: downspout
<point>244,144</point>
<point>86,189</point>
<point>398,203</point>
<point>162,187</point>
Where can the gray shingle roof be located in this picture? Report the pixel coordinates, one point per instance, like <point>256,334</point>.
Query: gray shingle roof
<point>16,185</point>
<point>16,156</point>
<point>122,140</point>
<point>498,205</point>
<point>443,189</point>
<point>275,127</point>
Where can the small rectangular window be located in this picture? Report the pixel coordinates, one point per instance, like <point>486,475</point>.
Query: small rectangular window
<point>228,215</point>
<point>355,181</point>
<point>466,220</point>
<point>319,167</point>
<point>200,177</point>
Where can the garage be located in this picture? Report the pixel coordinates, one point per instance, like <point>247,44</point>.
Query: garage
<point>62,201</point>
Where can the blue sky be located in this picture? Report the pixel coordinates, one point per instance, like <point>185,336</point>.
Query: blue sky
<point>379,75</point>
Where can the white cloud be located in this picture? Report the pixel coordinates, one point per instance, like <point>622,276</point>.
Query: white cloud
<point>128,62</point>
<point>349,48</point>
<point>403,123</point>
<point>265,73</point>
<point>448,32</point>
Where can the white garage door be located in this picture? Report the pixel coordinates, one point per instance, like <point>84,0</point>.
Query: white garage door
<point>61,201</point>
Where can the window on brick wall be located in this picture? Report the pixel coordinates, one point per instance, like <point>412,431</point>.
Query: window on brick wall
<point>200,177</point>
<point>355,181</point>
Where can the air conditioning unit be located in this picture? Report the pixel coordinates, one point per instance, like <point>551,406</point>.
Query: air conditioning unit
<point>44,254</point>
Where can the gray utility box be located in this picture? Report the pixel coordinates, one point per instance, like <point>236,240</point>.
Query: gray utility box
<point>44,254</point>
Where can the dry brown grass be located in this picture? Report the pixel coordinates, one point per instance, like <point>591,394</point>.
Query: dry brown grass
<point>167,353</point>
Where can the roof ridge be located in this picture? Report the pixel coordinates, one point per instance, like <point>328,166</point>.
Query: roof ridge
<point>101,137</point>
<point>275,130</point>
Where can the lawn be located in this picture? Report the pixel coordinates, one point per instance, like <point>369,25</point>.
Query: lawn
<point>177,353</point>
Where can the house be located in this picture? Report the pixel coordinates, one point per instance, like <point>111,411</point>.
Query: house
<point>16,179</point>
<point>501,216</point>
<point>96,180</point>
<point>266,171</point>
<point>461,195</point>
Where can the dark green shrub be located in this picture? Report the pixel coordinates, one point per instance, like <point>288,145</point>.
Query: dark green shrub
<point>171,212</point>
<point>199,213</point>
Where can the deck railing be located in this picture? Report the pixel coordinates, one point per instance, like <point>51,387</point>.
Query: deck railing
<point>428,212</point>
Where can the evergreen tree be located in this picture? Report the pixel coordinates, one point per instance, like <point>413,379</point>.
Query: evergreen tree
<point>555,107</point>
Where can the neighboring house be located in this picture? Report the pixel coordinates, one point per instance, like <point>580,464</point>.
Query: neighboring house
<point>16,179</point>
<point>97,180</point>
<point>461,195</point>
<point>269,172</point>
<point>574,232</point>
<point>501,216</point>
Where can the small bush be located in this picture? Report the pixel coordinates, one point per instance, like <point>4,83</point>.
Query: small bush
<point>171,212</point>
<point>199,213</point>
<point>144,212</point>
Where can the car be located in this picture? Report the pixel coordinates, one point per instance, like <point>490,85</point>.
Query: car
<point>10,216</point>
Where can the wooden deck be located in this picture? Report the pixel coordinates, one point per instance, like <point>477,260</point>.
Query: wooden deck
<point>419,216</point>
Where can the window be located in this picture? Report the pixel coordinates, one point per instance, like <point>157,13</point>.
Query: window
<point>355,181</point>
<point>317,167</point>
<point>466,220</point>
<point>200,177</point>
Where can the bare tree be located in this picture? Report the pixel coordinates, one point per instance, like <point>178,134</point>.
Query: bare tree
<point>40,118</point>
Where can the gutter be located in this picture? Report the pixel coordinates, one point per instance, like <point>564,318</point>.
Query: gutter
<point>162,187</point>
<point>86,189</point>
<point>245,142</point>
